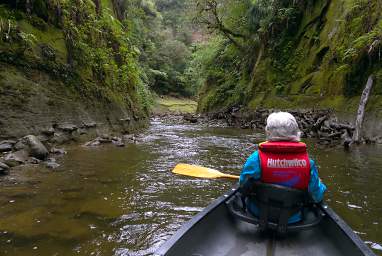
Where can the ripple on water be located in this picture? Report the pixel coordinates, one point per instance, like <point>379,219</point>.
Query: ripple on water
<point>374,246</point>
<point>353,206</point>
<point>189,209</point>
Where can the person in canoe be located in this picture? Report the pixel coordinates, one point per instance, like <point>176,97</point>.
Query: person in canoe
<point>282,160</point>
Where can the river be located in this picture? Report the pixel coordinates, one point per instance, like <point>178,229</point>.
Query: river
<point>125,201</point>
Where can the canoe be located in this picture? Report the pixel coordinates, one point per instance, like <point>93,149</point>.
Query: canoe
<point>216,232</point>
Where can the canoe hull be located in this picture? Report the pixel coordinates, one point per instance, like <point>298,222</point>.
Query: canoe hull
<point>215,232</point>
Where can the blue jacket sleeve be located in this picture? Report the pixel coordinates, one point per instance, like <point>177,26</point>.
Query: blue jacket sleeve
<point>251,168</point>
<point>316,188</point>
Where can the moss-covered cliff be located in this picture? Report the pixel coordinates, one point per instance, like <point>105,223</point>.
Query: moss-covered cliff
<point>68,61</point>
<point>327,62</point>
<point>310,54</point>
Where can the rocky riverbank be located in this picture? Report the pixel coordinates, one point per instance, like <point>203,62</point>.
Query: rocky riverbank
<point>44,148</point>
<point>37,137</point>
<point>323,125</point>
<point>53,91</point>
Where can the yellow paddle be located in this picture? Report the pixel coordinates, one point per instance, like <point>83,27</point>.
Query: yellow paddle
<point>200,172</point>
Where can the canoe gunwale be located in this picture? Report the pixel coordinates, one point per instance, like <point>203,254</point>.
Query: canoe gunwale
<point>347,230</point>
<point>164,248</point>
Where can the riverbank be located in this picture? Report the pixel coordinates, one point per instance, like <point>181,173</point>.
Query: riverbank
<point>53,115</point>
<point>45,148</point>
<point>64,80</point>
<point>50,128</point>
<point>323,125</point>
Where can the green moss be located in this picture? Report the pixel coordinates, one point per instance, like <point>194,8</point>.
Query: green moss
<point>256,101</point>
<point>51,36</point>
<point>107,7</point>
<point>325,64</point>
<point>378,83</point>
<point>91,55</point>
<point>301,85</point>
<point>334,102</point>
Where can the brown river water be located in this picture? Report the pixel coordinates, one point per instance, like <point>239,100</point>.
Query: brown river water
<point>126,201</point>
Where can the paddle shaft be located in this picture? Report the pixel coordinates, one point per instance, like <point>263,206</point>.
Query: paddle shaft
<point>230,176</point>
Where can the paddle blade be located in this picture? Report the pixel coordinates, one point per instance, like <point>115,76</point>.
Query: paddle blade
<point>200,172</point>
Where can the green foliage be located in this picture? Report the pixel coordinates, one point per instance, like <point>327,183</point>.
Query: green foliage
<point>28,39</point>
<point>246,29</point>
<point>40,9</point>
<point>101,59</point>
<point>13,38</point>
<point>197,70</point>
<point>219,66</point>
<point>161,35</point>
<point>145,97</point>
<point>361,50</point>
<point>101,45</point>
<point>280,48</point>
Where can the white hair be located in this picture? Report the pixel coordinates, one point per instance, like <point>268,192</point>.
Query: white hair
<point>282,126</point>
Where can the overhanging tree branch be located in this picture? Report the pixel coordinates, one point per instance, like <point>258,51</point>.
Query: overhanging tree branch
<point>209,16</point>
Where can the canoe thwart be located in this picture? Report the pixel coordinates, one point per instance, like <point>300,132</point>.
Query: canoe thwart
<point>275,208</point>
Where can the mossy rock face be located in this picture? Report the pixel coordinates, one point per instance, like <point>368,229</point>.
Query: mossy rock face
<point>64,62</point>
<point>323,63</point>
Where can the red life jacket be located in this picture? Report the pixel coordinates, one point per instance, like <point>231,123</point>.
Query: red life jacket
<point>285,163</point>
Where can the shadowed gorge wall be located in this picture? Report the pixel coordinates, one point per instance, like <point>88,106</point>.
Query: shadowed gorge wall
<point>68,61</point>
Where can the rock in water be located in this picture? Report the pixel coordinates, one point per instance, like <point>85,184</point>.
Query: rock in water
<point>90,124</point>
<point>33,160</point>
<point>4,169</point>
<point>58,151</point>
<point>35,147</point>
<point>16,158</point>
<point>48,131</point>
<point>20,145</point>
<point>118,142</point>
<point>190,118</point>
<point>129,138</point>
<point>67,127</point>
<point>59,138</point>
<point>51,163</point>
<point>105,138</point>
<point>6,146</point>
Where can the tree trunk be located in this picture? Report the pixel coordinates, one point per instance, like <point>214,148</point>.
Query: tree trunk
<point>258,59</point>
<point>98,7</point>
<point>119,9</point>
<point>361,110</point>
<point>69,47</point>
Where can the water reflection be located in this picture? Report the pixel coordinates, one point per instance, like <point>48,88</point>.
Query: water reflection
<point>125,201</point>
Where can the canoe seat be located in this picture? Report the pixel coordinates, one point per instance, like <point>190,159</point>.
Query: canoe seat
<point>276,205</point>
